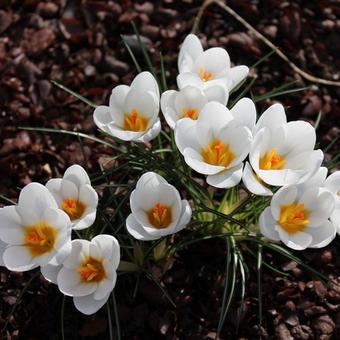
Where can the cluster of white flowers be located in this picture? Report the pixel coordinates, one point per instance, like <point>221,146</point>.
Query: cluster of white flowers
<point>215,141</point>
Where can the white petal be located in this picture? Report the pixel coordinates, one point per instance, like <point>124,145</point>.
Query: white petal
<point>333,182</point>
<point>297,241</point>
<point>185,216</point>
<point>335,218</point>
<point>215,60</point>
<point>88,305</point>
<point>152,133</point>
<point>217,93</point>
<point>117,101</point>
<point>226,178</point>
<point>237,74</point>
<point>54,185</point>
<point>69,190</point>
<point>273,117</point>
<point>253,184</point>
<point>70,283</point>
<point>80,250</point>
<point>3,247</point>
<point>185,134</point>
<point>191,47</point>
<point>11,230</point>
<point>37,198</point>
<point>167,106</point>
<point>102,117</point>
<point>105,287</point>
<point>323,235</point>
<point>56,218</point>
<point>137,231</point>
<point>109,247</point>
<point>144,82</point>
<point>189,78</point>
<point>50,273</point>
<point>88,196</point>
<point>194,160</point>
<point>244,113</point>
<point>267,225</point>
<point>150,180</point>
<point>17,258</point>
<point>284,196</point>
<point>77,175</point>
<point>189,97</point>
<point>86,221</point>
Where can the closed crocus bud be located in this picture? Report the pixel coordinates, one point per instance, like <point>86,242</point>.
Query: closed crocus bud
<point>188,102</point>
<point>282,153</point>
<point>75,195</point>
<point>88,274</point>
<point>333,185</point>
<point>207,68</point>
<point>132,114</point>
<point>157,209</point>
<point>298,216</point>
<point>34,232</point>
<point>218,141</point>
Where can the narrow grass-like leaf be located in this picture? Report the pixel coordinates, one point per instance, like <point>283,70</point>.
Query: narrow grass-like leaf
<point>109,320</point>
<point>74,94</point>
<point>134,60</point>
<point>144,51</point>
<point>163,74</point>
<point>115,310</point>
<point>244,91</point>
<point>318,120</point>
<point>72,133</point>
<point>6,199</point>
<point>226,274</point>
<point>263,59</point>
<point>259,281</point>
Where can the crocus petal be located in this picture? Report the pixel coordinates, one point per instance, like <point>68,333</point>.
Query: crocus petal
<point>85,222</point>
<point>253,184</point>
<point>185,134</point>
<point>335,218</point>
<point>267,225</point>
<point>109,247</point>
<point>106,286</point>
<point>137,231</point>
<point>151,133</point>
<point>244,113</point>
<point>88,305</point>
<point>272,118</point>
<point>185,216</point>
<point>145,82</point>
<point>167,106</point>
<point>3,247</point>
<point>11,230</point>
<point>215,60</point>
<point>18,259</point>
<point>284,196</point>
<point>37,198</point>
<point>102,117</point>
<point>237,74</point>
<point>226,178</point>
<point>77,175</point>
<point>188,78</point>
<point>191,47</point>
<point>297,241</point>
<point>50,273</point>
<point>117,101</point>
<point>322,235</point>
<point>217,93</point>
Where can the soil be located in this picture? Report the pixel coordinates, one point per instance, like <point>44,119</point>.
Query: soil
<point>78,43</point>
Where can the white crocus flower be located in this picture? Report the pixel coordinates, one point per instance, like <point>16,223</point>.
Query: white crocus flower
<point>88,274</point>
<point>132,114</point>
<point>157,209</point>
<point>75,195</point>
<point>35,231</point>
<point>282,153</point>
<point>188,102</point>
<point>333,185</point>
<point>206,68</point>
<point>298,216</point>
<point>218,141</point>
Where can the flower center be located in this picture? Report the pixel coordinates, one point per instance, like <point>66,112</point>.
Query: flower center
<point>272,161</point>
<point>160,216</point>
<point>293,218</point>
<point>190,113</point>
<point>91,270</point>
<point>135,122</point>
<point>40,238</point>
<point>217,153</point>
<point>205,75</point>
<point>73,208</point>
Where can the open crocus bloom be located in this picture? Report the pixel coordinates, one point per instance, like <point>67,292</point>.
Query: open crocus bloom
<point>206,68</point>
<point>75,195</point>
<point>88,273</point>
<point>35,231</point>
<point>188,102</point>
<point>132,114</point>
<point>282,153</point>
<point>299,217</point>
<point>333,185</point>
<point>218,141</point>
<point>157,209</point>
